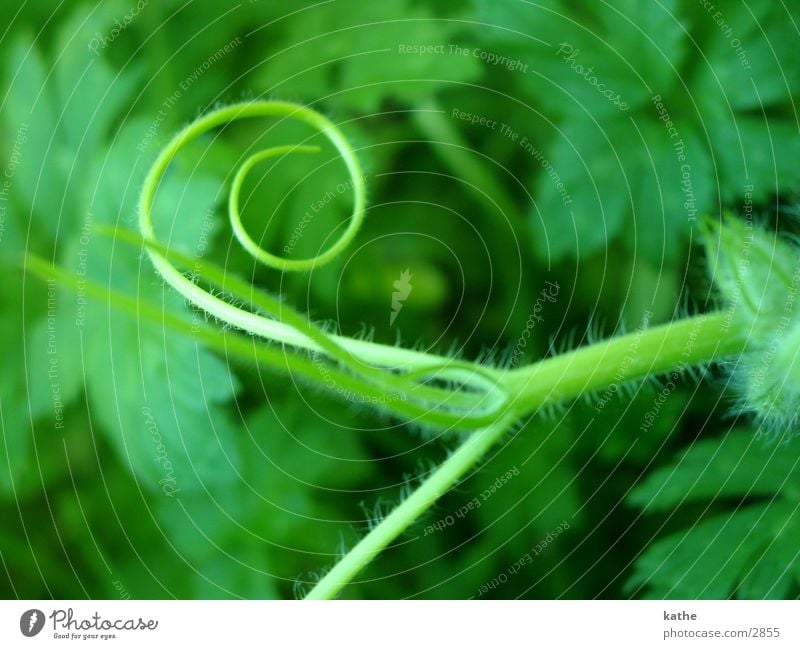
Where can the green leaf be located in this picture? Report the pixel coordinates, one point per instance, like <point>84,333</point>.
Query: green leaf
<point>65,111</point>
<point>776,567</point>
<point>16,454</point>
<point>755,156</point>
<point>708,560</point>
<point>89,92</point>
<point>390,74</point>
<point>38,182</point>
<point>538,490</point>
<point>750,58</point>
<point>594,174</point>
<point>737,466</point>
<point>55,374</point>
<point>352,57</point>
<point>651,37</point>
<point>188,218</point>
<point>632,51</point>
<point>237,569</point>
<point>17,462</point>
<point>672,189</point>
<point>619,173</point>
<point>750,551</point>
<point>219,533</point>
<point>161,401</point>
<point>256,532</point>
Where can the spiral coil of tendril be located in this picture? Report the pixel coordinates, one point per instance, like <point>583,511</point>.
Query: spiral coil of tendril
<point>471,397</point>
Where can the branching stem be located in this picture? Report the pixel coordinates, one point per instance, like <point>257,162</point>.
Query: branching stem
<point>513,393</point>
<point>675,346</point>
<point>485,400</point>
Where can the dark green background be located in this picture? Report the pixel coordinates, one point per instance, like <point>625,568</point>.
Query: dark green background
<point>275,478</point>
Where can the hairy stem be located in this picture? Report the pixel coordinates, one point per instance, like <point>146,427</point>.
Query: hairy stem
<point>376,354</point>
<point>675,346</point>
<point>510,394</point>
<point>436,485</point>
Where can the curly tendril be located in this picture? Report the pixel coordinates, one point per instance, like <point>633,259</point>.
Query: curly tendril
<point>236,112</point>
<point>450,393</point>
<point>410,382</point>
<point>430,389</point>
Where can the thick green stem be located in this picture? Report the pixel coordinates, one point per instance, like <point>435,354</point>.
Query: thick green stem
<point>645,352</point>
<point>675,346</point>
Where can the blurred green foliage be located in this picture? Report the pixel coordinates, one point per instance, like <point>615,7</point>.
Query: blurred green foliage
<point>133,458</point>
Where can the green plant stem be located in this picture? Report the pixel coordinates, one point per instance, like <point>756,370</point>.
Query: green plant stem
<point>435,486</point>
<point>376,354</point>
<point>684,343</point>
<point>515,393</point>
<point>679,345</point>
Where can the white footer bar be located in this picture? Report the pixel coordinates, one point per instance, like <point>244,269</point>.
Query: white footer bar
<point>351,624</point>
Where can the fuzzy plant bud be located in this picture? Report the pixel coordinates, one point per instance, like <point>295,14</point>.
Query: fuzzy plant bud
<point>758,277</point>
